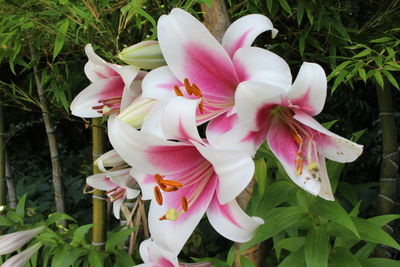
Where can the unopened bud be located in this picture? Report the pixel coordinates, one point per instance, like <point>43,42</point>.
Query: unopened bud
<point>111,159</point>
<point>20,259</point>
<point>135,113</point>
<point>146,55</point>
<point>14,241</point>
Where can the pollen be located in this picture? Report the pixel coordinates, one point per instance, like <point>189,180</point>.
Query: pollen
<point>178,91</point>
<point>158,195</point>
<point>184,203</point>
<point>313,166</point>
<point>171,183</point>
<point>299,163</point>
<point>171,215</point>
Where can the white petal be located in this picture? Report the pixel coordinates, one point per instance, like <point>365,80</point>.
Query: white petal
<point>244,31</point>
<point>159,83</point>
<point>234,169</point>
<point>308,91</point>
<point>179,120</point>
<point>231,221</point>
<point>117,207</point>
<point>146,183</point>
<point>151,253</point>
<point>331,145</point>
<point>326,189</point>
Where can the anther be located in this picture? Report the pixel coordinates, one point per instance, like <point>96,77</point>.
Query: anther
<point>158,195</point>
<point>169,188</point>
<point>178,91</point>
<point>296,137</point>
<point>196,90</point>
<point>184,203</point>
<point>201,108</point>
<point>187,86</point>
<point>162,218</point>
<point>299,163</point>
<point>158,179</point>
<point>171,183</point>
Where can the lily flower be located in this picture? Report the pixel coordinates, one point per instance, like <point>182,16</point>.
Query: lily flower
<point>20,259</point>
<point>118,187</point>
<point>113,87</point>
<point>199,67</point>
<point>153,256</point>
<point>111,160</point>
<point>185,177</point>
<point>282,113</point>
<point>12,242</point>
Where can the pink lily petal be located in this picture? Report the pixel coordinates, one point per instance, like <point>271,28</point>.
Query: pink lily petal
<point>179,120</point>
<point>260,65</point>
<point>308,91</point>
<point>234,169</point>
<point>82,104</point>
<point>97,68</point>
<point>255,101</point>
<point>331,145</point>
<point>192,52</point>
<point>172,235</point>
<point>159,83</point>
<point>285,148</point>
<point>244,31</point>
<point>231,221</point>
<point>219,126</point>
<point>152,153</point>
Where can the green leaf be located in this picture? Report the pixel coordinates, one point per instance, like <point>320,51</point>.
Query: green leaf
<point>363,74</point>
<point>55,217</point>
<point>294,259</point>
<point>60,38</point>
<point>391,79</point>
<point>366,250</point>
<point>274,195</point>
<point>117,238</point>
<point>260,174</point>
<point>373,233</point>
<point>4,221</point>
<point>291,244</point>
<point>383,219</point>
<point>20,210</point>
<point>270,5</point>
<point>339,80</point>
<point>95,258</point>
<point>363,53</point>
<point>300,11</point>
<point>286,216</point>
<point>66,256</point>
<point>302,44</point>
<point>123,259</point>
<point>80,233</point>
<point>378,78</point>
<point>316,247</point>
<point>379,262</point>
<point>245,262</point>
<point>341,257</point>
<point>285,6</point>
<point>230,259</point>
<point>381,40</point>
<point>332,210</point>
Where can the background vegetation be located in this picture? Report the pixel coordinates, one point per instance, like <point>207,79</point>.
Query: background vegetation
<point>357,43</point>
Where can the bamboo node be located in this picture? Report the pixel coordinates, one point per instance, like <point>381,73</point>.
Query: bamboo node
<point>98,243</point>
<point>98,197</point>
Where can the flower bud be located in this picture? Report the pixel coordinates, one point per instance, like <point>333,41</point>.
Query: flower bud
<point>20,259</point>
<point>146,55</point>
<point>14,241</point>
<point>111,159</point>
<point>135,113</point>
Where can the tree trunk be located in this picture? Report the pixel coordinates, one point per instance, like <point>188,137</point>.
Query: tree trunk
<point>2,159</point>
<point>216,19</point>
<point>12,196</point>
<point>99,203</point>
<point>390,159</point>
<point>50,131</point>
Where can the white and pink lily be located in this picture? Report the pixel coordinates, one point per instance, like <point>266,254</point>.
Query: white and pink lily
<point>118,186</point>
<point>185,177</point>
<point>113,87</point>
<point>23,257</point>
<point>198,66</point>
<point>282,112</point>
<point>153,256</point>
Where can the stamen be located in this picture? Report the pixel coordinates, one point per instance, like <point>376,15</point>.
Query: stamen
<point>178,91</point>
<point>112,190</point>
<point>158,195</point>
<point>313,166</point>
<point>158,178</point>
<point>299,163</point>
<point>97,107</point>
<point>110,99</point>
<point>187,86</point>
<point>171,183</point>
<point>297,138</point>
<point>162,218</point>
<point>201,108</point>
<point>184,203</point>
<point>170,189</point>
<point>196,90</point>
<point>117,195</point>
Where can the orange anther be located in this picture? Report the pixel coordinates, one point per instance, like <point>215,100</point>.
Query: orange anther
<point>162,218</point>
<point>178,91</point>
<point>296,137</point>
<point>184,203</point>
<point>187,86</point>
<point>171,183</point>
<point>158,195</point>
<point>201,107</point>
<point>170,188</point>
<point>196,91</point>
<point>158,179</point>
<point>299,163</point>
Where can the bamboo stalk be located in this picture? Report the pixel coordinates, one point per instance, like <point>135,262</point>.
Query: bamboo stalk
<point>390,160</point>
<point>99,203</point>
<point>216,19</point>
<point>12,196</point>
<point>53,146</point>
<point>3,191</point>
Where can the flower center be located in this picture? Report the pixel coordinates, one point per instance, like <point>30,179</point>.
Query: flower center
<point>108,106</point>
<point>307,153</point>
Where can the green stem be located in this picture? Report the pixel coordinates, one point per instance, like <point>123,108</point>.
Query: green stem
<point>2,160</point>
<point>99,203</point>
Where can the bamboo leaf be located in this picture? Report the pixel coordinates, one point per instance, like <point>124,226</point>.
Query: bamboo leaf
<point>378,78</point>
<point>381,40</point>
<point>60,38</point>
<point>391,79</point>
<point>284,4</point>
<point>363,53</point>
<point>300,11</point>
<point>363,74</point>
